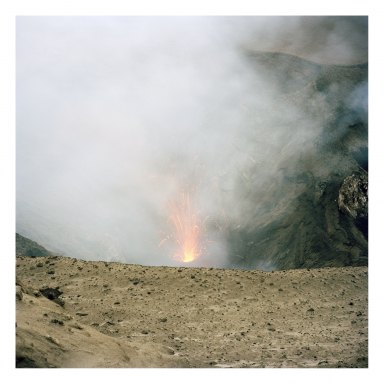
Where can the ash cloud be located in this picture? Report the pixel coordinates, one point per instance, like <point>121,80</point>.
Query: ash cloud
<point>115,115</point>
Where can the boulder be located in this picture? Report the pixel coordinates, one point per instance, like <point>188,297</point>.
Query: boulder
<point>353,196</point>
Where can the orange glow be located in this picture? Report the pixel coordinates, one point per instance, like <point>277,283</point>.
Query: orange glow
<point>186,228</point>
<point>186,237</point>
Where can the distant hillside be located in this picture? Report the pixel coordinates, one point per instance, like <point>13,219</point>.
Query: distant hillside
<point>294,217</point>
<point>27,247</point>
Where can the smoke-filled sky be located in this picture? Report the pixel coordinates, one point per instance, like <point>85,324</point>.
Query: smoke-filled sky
<point>117,117</point>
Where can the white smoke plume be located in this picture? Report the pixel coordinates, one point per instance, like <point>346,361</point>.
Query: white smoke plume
<point>115,115</point>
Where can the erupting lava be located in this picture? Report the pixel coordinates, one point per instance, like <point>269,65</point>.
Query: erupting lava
<point>187,228</point>
<point>187,237</point>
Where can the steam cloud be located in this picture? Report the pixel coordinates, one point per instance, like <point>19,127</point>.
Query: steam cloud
<point>116,114</point>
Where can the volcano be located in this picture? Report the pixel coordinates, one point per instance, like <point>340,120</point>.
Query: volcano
<point>225,142</point>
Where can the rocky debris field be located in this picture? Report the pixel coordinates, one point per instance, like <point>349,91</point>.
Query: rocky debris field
<point>76,313</point>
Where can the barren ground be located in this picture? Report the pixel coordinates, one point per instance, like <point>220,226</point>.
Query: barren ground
<point>122,315</point>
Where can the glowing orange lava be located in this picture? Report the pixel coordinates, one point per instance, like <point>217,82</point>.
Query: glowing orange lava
<point>187,228</point>
<point>193,199</point>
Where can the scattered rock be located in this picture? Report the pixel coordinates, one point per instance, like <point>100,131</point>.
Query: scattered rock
<point>57,321</point>
<point>53,340</point>
<point>28,289</point>
<point>50,293</point>
<point>76,325</point>
<point>169,351</point>
<point>25,362</point>
<point>19,293</point>
<point>59,301</point>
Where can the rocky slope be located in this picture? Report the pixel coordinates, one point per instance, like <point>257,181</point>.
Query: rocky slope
<point>99,314</point>
<point>28,247</point>
<point>292,216</point>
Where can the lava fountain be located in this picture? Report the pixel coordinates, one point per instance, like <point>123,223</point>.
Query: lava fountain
<point>187,228</point>
<point>193,211</point>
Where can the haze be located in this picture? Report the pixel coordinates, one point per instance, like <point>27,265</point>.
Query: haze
<point>117,115</point>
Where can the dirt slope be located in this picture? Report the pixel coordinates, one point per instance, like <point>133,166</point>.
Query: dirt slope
<point>121,315</point>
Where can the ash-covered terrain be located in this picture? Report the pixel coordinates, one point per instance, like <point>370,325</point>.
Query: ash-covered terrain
<point>100,314</point>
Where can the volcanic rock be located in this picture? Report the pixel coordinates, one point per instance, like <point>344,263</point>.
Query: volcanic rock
<point>19,293</point>
<point>353,196</point>
<point>291,217</point>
